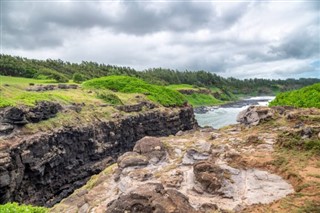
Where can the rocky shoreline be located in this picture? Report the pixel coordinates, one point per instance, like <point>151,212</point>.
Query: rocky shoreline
<point>235,104</point>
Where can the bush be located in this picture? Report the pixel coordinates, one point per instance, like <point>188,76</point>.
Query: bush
<point>78,78</point>
<point>16,208</point>
<point>126,84</point>
<point>305,97</point>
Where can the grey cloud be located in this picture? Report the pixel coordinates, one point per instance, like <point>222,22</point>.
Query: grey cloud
<point>25,21</point>
<point>302,44</point>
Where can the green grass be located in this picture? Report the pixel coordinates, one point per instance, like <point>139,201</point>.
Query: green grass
<point>126,84</point>
<point>305,97</point>
<point>183,86</point>
<point>22,81</point>
<point>198,99</point>
<point>16,208</point>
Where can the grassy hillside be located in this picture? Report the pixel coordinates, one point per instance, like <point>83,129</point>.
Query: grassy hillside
<point>199,96</point>
<point>305,97</point>
<point>126,84</point>
<point>64,71</point>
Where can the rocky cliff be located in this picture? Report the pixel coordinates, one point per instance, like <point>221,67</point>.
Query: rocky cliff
<point>45,167</point>
<point>268,163</point>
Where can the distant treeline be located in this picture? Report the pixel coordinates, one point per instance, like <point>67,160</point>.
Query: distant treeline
<point>78,72</point>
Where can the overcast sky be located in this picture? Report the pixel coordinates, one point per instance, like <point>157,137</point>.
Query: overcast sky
<point>242,39</point>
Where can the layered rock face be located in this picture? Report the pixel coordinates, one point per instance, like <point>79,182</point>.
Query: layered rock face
<point>45,167</point>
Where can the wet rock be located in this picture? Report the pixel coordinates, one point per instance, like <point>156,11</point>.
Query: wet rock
<point>151,147</point>
<point>209,175</point>
<point>253,115</point>
<point>129,159</point>
<point>151,197</point>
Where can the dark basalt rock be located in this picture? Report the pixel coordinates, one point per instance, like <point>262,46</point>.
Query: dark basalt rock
<point>44,168</point>
<point>43,111</point>
<point>151,197</point>
<point>13,115</point>
<point>136,107</point>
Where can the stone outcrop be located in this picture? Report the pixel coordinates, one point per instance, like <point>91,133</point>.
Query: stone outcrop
<point>253,115</point>
<point>12,117</point>
<point>129,159</point>
<point>43,168</point>
<point>150,147</point>
<point>209,175</point>
<point>151,197</point>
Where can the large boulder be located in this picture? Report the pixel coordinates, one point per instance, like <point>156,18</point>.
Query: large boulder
<point>151,197</point>
<point>129,159</point>
<point>253,115</point>
<point>151,147</point>
<point>209,175</point>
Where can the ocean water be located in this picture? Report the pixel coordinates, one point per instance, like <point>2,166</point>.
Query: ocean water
<point>220,117</point>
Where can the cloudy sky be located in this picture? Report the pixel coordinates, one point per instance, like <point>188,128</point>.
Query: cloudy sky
<point>243,39</point>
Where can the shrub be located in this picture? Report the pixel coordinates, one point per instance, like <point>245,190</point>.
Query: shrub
<point>305,97</point>
<point>78,78</point>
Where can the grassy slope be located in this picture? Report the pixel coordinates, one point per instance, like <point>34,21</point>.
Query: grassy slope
<point>305,97</point>
<point>126,84</point>
<point>12,93</point>
<point>197,99</point>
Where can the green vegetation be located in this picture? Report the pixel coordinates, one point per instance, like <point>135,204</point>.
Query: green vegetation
<point>16,208</point>
<point>198,99</point>
<point>305,97</point>
<point>63,71</point>
<point>183,86</point>
<point>109,98</point>
<point>13,92</point>
<point>126,84</point>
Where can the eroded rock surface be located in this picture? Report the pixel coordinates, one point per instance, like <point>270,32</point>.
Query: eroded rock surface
<point>254,114</point>
<point>151,197</point>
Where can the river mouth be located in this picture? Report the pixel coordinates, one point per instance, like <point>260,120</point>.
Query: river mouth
<point>226,114</point>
